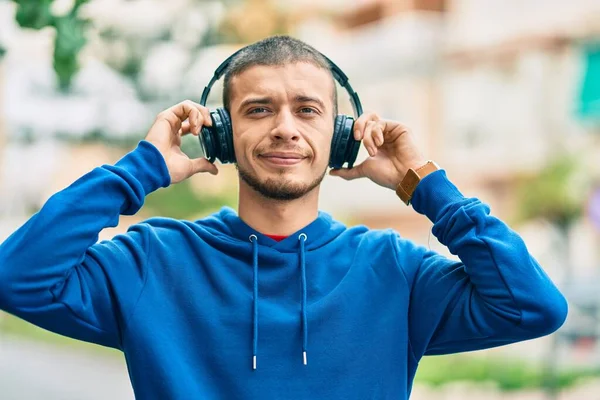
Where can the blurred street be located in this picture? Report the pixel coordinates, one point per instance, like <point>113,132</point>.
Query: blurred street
<point>33,370</point>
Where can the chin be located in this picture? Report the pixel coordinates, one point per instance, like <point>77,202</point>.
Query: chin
<point>280,185</point>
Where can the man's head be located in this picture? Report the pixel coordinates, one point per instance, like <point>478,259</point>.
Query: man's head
<point>282,99</point>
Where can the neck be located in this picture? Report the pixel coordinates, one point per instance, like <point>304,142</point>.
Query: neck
<point>276,217</point>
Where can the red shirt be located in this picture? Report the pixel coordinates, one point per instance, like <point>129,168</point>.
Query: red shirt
<point>277,238</point>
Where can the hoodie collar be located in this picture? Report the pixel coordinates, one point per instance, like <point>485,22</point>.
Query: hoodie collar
<point>319,232</point>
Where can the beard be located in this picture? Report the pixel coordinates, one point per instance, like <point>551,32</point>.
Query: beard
<point>278,189</point>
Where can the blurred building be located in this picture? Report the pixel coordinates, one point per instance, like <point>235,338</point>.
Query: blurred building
<point>488,87</point>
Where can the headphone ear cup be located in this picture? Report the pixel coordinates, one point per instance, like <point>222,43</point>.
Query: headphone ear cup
<point>217,140</point>
<point>344,148</point>
<point>334,156</point>
<point>208,135</point>
<point>225,138</point>
<point>353,147</point>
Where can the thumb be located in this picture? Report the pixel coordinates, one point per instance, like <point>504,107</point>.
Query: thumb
<point>203,165</point>
<point>348,173</point>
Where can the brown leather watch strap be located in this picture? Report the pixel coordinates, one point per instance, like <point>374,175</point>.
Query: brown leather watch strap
<point>406,188</point>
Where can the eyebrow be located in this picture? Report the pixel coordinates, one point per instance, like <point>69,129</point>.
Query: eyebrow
<point>269,100</point>
<point>256,100</point>
<point>308,99</point>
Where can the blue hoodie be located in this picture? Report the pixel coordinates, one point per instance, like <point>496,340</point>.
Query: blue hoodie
<point>213,309</point>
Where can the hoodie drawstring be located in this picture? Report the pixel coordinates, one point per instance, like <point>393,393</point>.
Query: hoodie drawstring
<point>254,240</point>
<point>302,238</point>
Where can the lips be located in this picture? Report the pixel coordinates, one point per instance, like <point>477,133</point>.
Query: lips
<point>282,158</point>
<point>285,155</point>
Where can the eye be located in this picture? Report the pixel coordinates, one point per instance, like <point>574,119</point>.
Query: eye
<point>308,110</point>
<point>258,110</point>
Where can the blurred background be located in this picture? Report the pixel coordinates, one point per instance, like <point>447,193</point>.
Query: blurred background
<point>504,94</point>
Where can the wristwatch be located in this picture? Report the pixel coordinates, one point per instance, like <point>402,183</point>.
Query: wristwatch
<point>406,188</point>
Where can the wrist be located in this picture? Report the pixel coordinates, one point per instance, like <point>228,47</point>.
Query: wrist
<point>147,165</point>
<point>414,165</point>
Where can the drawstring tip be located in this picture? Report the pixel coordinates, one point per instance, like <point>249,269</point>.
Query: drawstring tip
<point>304,353</point>
<point>253,362</point>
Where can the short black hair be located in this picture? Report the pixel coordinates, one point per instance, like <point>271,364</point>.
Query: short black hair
<point>274,51</point>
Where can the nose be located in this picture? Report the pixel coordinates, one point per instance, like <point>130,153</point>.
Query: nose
<point>285,127</point>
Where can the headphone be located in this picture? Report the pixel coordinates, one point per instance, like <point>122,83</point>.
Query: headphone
<point>217,140</point>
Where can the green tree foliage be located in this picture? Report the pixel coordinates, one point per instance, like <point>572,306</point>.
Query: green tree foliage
<point>69,38</point>
<point>181,202</point>
<point>557,193</point>
<point>504,373</point>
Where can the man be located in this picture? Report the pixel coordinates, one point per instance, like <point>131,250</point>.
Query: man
<point>279,301</point>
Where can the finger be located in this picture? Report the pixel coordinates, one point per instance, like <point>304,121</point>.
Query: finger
<point>368,138</point>
<point>186,128</point>
<point>175,116</point>
<point>182,110</point>
<point>206,119</point>
<point>378,136</point>
<point>187,109</point>
<point>185,113</point>
<point>204,115</point>
<point>348,173</point>
<point>361,122</point>
<point>203,165</point>
<point>196,116</point>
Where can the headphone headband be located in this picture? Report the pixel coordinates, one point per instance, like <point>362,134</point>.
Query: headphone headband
<point>337,73</point>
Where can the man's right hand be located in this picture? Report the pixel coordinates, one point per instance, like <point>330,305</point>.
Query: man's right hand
<point>166,132</point>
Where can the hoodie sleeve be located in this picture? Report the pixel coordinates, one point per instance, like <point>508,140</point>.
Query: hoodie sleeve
<point>496,294</point>
<point>53,271</point>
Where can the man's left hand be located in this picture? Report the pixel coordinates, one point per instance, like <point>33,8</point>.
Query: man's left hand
<point>391,148</point>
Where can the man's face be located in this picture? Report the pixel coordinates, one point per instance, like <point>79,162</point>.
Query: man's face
<point>282,118</point>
